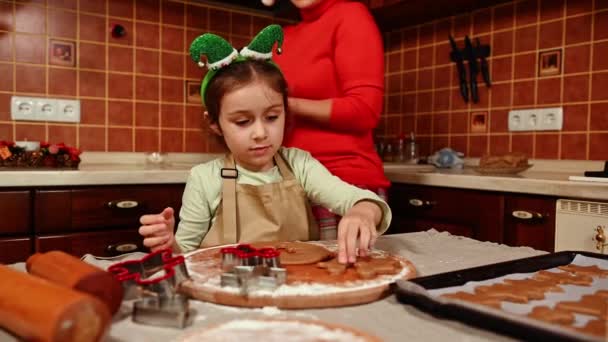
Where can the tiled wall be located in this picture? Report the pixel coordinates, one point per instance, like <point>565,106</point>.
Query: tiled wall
<point>422,84</point>
<point>132,89</point>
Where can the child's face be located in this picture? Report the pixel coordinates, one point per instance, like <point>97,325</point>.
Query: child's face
<point>252,121</point>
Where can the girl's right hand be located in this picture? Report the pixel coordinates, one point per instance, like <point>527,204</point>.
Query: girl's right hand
<point>157,230</point>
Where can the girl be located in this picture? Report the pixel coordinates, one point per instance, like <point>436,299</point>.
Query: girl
<point>260,191</point>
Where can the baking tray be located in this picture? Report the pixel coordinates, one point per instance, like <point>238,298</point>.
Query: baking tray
<point>414,292</point>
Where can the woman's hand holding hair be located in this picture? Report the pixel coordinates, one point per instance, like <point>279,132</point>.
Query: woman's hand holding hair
<point>157,230</point>
<point>359,223</point>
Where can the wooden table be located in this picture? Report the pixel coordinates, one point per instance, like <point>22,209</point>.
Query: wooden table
<point>431,252</point>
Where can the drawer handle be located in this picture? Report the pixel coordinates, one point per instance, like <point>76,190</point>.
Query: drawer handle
<point>123,204</point>
<point>527,215</point>
<point>121,248</point>
<point>418,203</point>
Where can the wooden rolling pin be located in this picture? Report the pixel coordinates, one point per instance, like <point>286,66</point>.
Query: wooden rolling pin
<point>64,269</point>
<point>36,309</point>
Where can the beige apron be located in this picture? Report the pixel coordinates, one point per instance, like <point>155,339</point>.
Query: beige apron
<point>270,212</point>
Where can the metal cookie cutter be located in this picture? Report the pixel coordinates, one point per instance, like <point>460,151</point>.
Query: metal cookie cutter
<point>251,269</point>
<point>154,280</point>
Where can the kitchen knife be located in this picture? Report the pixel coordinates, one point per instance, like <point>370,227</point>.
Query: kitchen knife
<point>456,56</point>
<point>483,62</point>
<point>471,57</point>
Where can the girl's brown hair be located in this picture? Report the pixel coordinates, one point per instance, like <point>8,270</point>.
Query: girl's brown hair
<point>238,75</point>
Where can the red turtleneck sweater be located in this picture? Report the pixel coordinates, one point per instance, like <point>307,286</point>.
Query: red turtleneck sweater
<point>336,53</point>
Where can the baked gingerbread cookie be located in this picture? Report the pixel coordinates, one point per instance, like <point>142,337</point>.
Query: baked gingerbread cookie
<point>366,267</point>
<point>510,293</point>
<point>298,253</point>
<point>564,278</point>
<point>542,285</point>
<point>585,270</point>
<point>592,305</point>
<point>552,315</point>
<point>597,327</point>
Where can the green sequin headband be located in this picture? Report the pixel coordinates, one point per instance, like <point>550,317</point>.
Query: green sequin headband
<point>220,53</point>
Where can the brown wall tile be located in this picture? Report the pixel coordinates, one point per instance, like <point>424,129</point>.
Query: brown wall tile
<point>146,140</point>
<point>121,8</point>
<point>28,131</point>
<point>92,28</point>
<point>576,58</point>
<point>92,112</point>
<point>120,113</point>
<point>62,133</point>
<point>30,18</point>
<point>575,117</point>
<point>551,34</point>
<point>147,114</point>
<point>30,79</point>
<point>6,46</point>
<point>578,29</point>
<point>92,138</point>
<point>6,81</point>
<point>6,131</point>
<point>147,10</point>
<point>597,146</point>
<point>92,56</point>
<point>574,146</point>
<point>499,144</point>
<point>92,83</point>
<point>547,146</point>
<point>30,49</point>
<point>62,82</point>
<point>172,141</point>
<point>120,139</point>
<point>62,23</point>
<point>173,13</point>
<point>526,12</point>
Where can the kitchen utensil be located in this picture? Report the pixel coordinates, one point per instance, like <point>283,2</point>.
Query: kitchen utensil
<point>598,173</point>
<point>457,56</point>
<point>471,57</point>
<point>36,309</point>
<point>67,270</point>
<point>482,52</point>
<point>154,280</point>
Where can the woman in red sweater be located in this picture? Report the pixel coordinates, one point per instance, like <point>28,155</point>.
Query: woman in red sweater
<point>333,61</point>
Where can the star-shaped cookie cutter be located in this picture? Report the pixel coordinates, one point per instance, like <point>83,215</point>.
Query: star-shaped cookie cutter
<point>250,269</point>
<point>154,280</point>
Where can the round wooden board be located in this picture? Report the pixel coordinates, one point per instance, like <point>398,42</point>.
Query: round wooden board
<point>313,287</point>
<point>277,330</point>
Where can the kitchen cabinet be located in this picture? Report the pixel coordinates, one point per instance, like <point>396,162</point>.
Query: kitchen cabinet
<point>101,220</point>
<point>530,221</point>
<point>462,212</point>
<point>512,219</point>
<point>16,227</point>
<point>392,14</point>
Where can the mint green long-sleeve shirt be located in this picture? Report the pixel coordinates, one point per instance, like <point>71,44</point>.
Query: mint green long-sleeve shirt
<point>203,193</point>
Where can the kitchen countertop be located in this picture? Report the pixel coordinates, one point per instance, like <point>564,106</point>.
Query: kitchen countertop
<point>103,169</point>
<point>431,252</point>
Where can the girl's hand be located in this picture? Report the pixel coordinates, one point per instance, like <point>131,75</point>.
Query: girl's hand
<point>359,222</point>
<point>157,230</point>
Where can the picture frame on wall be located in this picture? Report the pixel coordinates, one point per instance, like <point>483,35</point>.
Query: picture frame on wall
<point>193,92</point>
<point>62,52</point>
<point>550,63</point>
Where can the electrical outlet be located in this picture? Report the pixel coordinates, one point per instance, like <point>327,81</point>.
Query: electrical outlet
<point>68,110</point>
<point>23,108</point>
<point>45,109</point>
<point>539,119</point>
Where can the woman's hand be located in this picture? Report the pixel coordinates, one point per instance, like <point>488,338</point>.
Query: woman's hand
<point>157,230</point>
<point>360,223</point>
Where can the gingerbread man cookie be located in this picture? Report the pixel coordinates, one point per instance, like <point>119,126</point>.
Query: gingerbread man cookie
<point>564,278</point>
<point>541,285</point>
<point>506,292</point>
<point>597,327</point>
<point>592,305</point>
<point>298,253</point>
<point>366,267</point>
<point>556,316</point>
<point>474,298</point>
<point>585,270</point>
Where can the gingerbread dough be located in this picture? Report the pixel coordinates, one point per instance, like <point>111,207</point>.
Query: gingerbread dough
<point>297,253</point>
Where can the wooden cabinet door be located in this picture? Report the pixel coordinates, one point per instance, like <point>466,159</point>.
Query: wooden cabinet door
<point>102,244</point>
<point>530,221</point>
<point>102,208</point>
<point>15,250</point>
<point>476,214</point>
<point>15,211</point>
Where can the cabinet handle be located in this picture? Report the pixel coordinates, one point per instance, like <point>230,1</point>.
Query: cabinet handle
<point>418,203</point>
<point>526,215</point>
<point>121,248</point>
<point>123,204</point>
